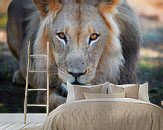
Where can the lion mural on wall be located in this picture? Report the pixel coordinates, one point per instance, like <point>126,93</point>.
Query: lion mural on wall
<point>91,42</point>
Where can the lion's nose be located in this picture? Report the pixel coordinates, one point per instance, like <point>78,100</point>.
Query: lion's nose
<point>76,74</point>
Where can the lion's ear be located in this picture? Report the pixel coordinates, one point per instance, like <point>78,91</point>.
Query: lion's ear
<point>44,6</point>
<point>108,6</point>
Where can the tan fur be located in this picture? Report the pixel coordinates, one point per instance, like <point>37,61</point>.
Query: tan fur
<point>108,7</point>
<point>53,6</point>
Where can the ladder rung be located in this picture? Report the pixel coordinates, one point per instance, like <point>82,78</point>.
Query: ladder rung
<point>37,71</point>
<point>37,89</point>
<point>38,55</point>
<point>36,105</point>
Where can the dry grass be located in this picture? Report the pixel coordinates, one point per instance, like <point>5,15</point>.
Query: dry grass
<point>4,5</point>
<point>2,36</point>
<point>150,8</point>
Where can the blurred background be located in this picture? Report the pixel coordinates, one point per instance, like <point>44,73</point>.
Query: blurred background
<point>150,65</point>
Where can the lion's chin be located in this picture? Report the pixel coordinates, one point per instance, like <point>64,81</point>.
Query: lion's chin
<point>77,83</point>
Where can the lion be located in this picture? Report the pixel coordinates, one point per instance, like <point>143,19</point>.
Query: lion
<point>91,42</point>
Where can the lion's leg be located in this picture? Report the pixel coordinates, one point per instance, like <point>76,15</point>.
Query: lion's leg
<point>54,99</point>
<point>15,34</point>
<point>18,78</point>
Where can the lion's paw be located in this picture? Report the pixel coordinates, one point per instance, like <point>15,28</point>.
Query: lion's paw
<point>55,101</point>
<point>18,78</point>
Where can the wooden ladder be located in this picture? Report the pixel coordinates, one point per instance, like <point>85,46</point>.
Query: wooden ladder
<point>38,89</point>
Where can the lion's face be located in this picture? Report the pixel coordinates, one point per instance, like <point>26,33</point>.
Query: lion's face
<point>84,39</point>
<point>78,36</point>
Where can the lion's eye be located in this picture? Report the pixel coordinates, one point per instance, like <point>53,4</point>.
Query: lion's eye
<point>93,37</point>
<point>62,36</point>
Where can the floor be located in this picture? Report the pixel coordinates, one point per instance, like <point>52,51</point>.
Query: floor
<point>18,126</point>
<point>16,121</point>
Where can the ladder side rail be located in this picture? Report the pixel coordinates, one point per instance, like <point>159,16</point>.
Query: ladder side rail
<point>26,86</point>
<point>47,109</point>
